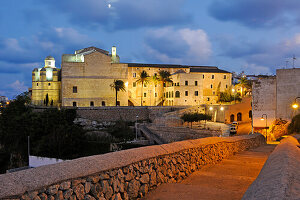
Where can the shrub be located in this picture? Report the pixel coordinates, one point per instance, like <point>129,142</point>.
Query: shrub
<point>294,126</point>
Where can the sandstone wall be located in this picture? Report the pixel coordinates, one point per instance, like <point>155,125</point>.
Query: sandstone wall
<point>280,176</point>
<point>124,113</point>
<point>125,174</point>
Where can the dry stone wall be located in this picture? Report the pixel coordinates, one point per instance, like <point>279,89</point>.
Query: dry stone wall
<point>128,174</point>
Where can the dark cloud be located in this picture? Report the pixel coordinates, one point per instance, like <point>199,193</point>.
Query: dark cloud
<point>261,55</point>
<point>179,46</point>
<point>122,14</point>
<point>257,13</point>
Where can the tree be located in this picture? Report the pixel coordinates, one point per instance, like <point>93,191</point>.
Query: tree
<point>164,76</point>
<point>294,126</point>
<point>46,100</point>
<point>143,79</point>
<point>244,83</point>
<point>194,117</point>
<point>118,85</point>
<point>155,79</point>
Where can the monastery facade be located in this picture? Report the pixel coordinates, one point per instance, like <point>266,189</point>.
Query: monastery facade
<point>85,78</point>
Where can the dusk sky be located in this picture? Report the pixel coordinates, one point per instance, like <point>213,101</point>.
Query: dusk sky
<point>255,36</point>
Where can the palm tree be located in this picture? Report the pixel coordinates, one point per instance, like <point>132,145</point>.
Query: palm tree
<point>118,85</point>
<point>244,83</point>
<point>155,79</point>
<point>165,78</point>
<point>143,79</point>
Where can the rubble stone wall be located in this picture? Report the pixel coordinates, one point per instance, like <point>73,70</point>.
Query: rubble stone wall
<point>127,174</point>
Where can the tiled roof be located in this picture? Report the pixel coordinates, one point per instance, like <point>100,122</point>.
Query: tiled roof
<point>156,65</point>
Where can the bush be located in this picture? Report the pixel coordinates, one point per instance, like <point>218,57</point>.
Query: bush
<point>294,126</point>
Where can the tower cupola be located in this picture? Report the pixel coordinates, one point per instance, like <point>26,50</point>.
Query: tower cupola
<point>50,62</point>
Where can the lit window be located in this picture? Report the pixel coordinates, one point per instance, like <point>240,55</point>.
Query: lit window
<point>92,104</point>
<point>196,93</point>
<point>134,84</point>
<point>196,83</point>
<point>186,83</point>
<point>74,89</point>
<point>186,93</point>
<point>134,75</point>
<point>212,76</point>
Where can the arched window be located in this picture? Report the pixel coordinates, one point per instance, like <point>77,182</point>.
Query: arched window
<point>177,94</point>
<point>232,118</point>
<point>239,116</point>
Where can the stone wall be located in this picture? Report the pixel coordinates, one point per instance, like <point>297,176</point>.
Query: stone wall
<point>124,113</point>
<point>264,101</point>
<point>280,176</point>
<point>125,174</point>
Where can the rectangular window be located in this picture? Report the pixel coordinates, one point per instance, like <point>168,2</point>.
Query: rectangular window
<point>212,76</point>
<point>49,84</point>
<point>186,83</point>
<point>103,103</point>
<point>196,83</point>
<point>155,94</point>
<point>92,104</point>
<point>145,94</point>
<point>224,76</point>
<point>178,84</point>
<point>74,103</point>
<point>211,86</point>
<point>134,84</point>
<point>203,76</point>
<point>134,75</point>
<point>186,93</point>
<point>226,86</point>
<point>118,103</point>
<point>208,99</point>
<point>37,84</point>
<point>74,89</point>
<point>196,93</point>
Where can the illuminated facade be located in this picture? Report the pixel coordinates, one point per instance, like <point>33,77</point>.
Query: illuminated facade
<point>87,74</point>
<point>46,84</point>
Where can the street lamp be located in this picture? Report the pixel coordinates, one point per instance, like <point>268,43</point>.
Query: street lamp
<point>136,127</point>
<point>295,104</point>
<point>262,118</point>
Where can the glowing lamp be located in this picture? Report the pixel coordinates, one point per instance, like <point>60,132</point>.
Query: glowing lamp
<point>222,108</point>
<point>262,119</point>
<point>210,108</point>
<point>295,106</point>
<point>126,84</point>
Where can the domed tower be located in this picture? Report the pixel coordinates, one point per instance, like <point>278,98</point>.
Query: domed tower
<point>46,84</point>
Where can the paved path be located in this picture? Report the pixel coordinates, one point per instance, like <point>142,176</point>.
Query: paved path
<point>227,180</point>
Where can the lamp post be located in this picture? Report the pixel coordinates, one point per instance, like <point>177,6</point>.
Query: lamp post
<point>295,104</point>
<point>262,118</point>
<point>136,127</point>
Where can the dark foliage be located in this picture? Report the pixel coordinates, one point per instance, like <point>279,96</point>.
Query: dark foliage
<point>294,126</point>
<point>195,117</point>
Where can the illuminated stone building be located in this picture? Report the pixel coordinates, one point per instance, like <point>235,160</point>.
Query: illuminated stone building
<point>87,74</point>
<point>46,84</point>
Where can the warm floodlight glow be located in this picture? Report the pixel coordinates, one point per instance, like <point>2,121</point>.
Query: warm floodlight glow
<point>126,84</point>
<point>222,108</point>
<point>233,90</point>
<point>262,119</point>
<point>295,105</point>
<point>49,74</point>
<point>210,108</point>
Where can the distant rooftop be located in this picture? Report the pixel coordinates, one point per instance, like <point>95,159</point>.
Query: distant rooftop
<point>207,69</point>
<point>91,49</point>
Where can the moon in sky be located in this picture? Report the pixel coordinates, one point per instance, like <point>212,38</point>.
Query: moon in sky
<point>109,5</point>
